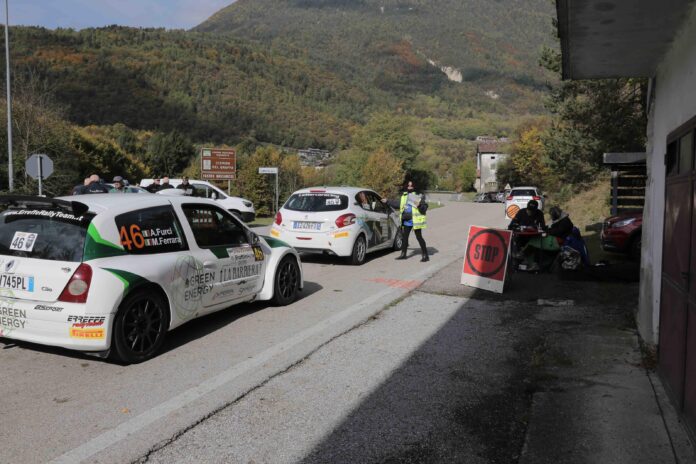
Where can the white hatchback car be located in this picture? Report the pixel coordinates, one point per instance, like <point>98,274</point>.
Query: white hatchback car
<point>518,198</point>
<point>106,274</point>
<point>342,221</point>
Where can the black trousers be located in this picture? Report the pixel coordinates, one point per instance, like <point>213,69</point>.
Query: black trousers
<point>419,236</point>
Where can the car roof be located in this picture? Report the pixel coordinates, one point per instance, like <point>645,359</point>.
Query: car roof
<point>100,202</point>
<point>329,189</point>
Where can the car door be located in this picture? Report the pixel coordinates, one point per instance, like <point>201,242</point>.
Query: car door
<point>232,269</point>
<point>368,219</point>
<point>383,226</point>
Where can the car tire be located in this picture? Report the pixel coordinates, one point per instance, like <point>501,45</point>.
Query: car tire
<point>634,248</point>
<point>286,283</point>
<point>359,251</point>
<point>398,240</point>
<point>140,327</point>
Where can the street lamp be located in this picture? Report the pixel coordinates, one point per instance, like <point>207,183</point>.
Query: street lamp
<point>10,179</point>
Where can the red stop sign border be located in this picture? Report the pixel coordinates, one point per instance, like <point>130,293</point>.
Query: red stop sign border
<point>502,245</point>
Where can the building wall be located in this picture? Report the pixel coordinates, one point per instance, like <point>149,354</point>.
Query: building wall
<point>488,167</point>
<point>674,104</point>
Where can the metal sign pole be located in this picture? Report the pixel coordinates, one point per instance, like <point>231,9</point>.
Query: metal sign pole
<point>229,186</point>
<point>39,162</point>
<point>10,168</point>
<point>276,193</point>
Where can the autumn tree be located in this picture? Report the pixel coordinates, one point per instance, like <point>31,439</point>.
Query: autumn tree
<point>383,172</point>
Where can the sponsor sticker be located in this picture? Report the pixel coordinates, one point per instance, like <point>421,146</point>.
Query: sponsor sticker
<point>55,309</point>
<point>23,241</point>
<point>87,333</point>
<point>258,253</point>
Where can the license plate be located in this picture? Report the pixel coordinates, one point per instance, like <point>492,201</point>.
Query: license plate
<point>301,225</point>
<point>17,282</point>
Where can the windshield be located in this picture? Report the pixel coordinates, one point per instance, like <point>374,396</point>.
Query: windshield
<point>43,234</point>
<point>317,202</point>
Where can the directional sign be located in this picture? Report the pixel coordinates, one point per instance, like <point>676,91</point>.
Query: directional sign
<point>485,262</point>
<point>268,170</point>
<point>39,165</point>
<point>218,163</point>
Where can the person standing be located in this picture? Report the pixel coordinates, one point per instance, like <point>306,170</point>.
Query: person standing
<point>95,185</point>
<point>165,183</point>
<point>119,185</point>
<point>188,189</point>
<point>412,208</point>
<point>155,186</point>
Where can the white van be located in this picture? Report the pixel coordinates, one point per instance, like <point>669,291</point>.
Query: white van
<point>242,207</point>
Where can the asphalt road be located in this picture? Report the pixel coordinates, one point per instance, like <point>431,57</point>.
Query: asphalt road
<point>62,406</point>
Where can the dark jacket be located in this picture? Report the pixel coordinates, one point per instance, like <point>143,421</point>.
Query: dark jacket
<point>95,187</point>
<point>153,188</point>
<point>524,219</point>
<point>561,228</point>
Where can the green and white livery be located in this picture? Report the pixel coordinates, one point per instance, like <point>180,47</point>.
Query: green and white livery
<point>112,274</point>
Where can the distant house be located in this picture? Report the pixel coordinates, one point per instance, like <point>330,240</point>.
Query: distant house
<point>488,157</point>
<point>657,40</point>
<point>314,157</point>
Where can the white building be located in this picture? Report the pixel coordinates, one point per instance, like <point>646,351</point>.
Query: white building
<point>641,38</point>
<point>488,157</point>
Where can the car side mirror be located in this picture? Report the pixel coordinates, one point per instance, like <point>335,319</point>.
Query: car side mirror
<point>253,237</point>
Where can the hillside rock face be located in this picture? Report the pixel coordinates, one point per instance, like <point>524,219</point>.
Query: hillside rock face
<point>393,43</point>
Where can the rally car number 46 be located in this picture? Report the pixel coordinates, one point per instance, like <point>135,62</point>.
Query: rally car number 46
<point>110,276</point>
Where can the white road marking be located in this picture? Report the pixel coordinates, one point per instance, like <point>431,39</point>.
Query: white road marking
<point>130,427</point>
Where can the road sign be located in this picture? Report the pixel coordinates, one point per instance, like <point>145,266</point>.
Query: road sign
<point>218,163</point>
<point>486,259</point>
<point>39,165</point>
<point>512,211</point>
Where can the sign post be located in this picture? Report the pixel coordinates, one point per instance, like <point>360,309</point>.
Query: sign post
<point>486,258</point>
<point>39,167</point>
<point>272,170</point>
<point>218,164</point>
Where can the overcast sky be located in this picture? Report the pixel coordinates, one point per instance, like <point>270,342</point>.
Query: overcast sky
<point>78,14</point>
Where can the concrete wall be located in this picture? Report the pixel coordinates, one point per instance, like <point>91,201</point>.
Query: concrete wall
<point>674,104</point>
<point>488,166</point>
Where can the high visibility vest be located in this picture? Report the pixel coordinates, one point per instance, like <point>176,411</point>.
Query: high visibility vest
<point>419,220</point>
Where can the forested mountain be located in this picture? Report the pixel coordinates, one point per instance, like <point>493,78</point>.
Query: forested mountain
<point>491,45</point>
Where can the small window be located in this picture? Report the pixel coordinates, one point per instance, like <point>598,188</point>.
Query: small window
<point>214,227</point>
<point>671,158</point>
<point>376,203</point>
<point>686,153</point>
<point>151,230</point>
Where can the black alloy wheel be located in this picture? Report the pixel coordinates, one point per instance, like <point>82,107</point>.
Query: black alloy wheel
<point>287,282</point>
<point>141,325</point>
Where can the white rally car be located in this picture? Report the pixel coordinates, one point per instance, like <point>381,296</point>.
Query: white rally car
<point>342,221</point>
<point>109,275</point>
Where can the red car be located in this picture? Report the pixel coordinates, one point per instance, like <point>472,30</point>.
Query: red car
<point>622,234</point>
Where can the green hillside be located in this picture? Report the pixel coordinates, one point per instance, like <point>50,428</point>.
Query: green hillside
<point>493,44</point>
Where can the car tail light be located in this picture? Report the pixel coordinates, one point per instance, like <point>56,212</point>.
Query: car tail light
<point>77,289</point>
<point>537,198</point>
<point>278,218</point>
<point>509,198</point>
<point>345,220</point>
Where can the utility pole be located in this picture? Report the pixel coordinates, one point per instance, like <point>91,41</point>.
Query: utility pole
<point>10,169</point>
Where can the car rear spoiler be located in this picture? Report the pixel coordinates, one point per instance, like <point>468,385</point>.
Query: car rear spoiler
<point>75,207</point>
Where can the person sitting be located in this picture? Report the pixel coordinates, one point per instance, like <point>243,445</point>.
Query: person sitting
<point>561,226</point>
<point>529,217</point>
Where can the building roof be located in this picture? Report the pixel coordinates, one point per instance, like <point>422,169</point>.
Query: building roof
<point>489,147</point>
<point>617,38</point>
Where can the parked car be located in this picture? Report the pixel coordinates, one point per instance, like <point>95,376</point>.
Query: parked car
<point>622,234</point>
<point>500,197</point>
<point>487,197</point>
<point>239,206</point>
<point>112,276</point>
<point>341,221</point>
<point>518,198</point>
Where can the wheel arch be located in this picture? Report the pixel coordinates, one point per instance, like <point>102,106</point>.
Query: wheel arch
<point>152,287</point>
<point>267,291</point>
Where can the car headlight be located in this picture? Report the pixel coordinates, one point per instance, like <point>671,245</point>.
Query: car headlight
<point>248,204</point>
<point>623,223</point>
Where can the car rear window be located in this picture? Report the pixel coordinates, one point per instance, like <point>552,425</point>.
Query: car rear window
<point>317,202</point>
<point>50,234</point>
<point>523,193</point>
